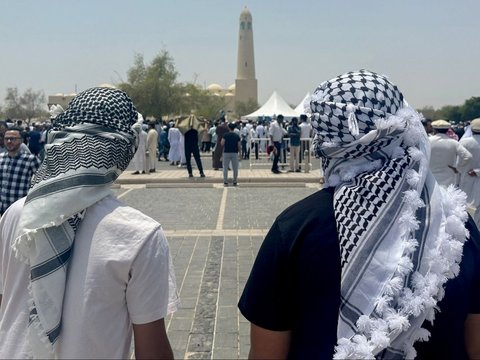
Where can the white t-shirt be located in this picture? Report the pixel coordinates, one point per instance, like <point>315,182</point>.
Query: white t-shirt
<point>305,130</point>
<point>120,274</point>
<point>276,131</point>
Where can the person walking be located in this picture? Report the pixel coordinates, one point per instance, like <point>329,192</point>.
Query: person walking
<point>382,262</point>
<point>191,148</point>
<point>231,153</point>
<point>58,303</point>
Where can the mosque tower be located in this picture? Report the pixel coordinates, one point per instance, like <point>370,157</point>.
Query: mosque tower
<point>245,83</point>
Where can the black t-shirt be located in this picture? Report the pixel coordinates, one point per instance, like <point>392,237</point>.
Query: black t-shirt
<point>231,142</point>
<point>295,281</point>
<point>295,284</point>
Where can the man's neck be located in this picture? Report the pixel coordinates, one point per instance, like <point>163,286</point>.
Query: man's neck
<point>13,154</point>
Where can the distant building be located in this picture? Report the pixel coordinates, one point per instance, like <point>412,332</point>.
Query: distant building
<point>228,94</point>
<point>60,99</point>
<point>245,83</point>
<point>245,88</point>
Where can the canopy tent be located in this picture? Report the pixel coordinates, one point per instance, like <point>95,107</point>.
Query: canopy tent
<point>191,122</point>
<point>275,105</point>
<point>300,109</point>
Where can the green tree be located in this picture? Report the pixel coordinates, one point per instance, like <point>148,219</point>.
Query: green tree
<point>200,102</point>
<point>451,113</point>
<point>13,107</point>
<point>471,109</point>
<point>428,112</point>
<point>153,88</point>
<point>31,104</point>
<point>245,108</point>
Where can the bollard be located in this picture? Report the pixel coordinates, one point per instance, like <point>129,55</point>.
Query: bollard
<point>306,159</point>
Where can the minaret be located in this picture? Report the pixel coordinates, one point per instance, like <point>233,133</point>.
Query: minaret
<point>245,83</point>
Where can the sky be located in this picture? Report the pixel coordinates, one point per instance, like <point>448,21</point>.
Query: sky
<point>429,48</point>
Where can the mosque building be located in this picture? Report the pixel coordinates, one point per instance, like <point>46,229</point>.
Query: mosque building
<point>245,88</point>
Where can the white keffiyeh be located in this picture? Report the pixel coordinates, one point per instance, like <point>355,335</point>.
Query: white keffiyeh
<point>90,144</point>
<point>401,235</point>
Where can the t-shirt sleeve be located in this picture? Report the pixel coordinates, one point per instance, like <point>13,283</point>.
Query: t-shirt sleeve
<point>266,299</point>
<point>151,291</point>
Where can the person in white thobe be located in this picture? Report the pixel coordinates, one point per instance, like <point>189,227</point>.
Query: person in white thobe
<point>470,179</point>
<point>174,138</point>
<point>152,140</point>
<point>448,156</point>
<point>140,158</point>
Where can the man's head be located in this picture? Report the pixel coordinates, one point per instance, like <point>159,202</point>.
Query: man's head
<point>13,140</point>
<point>348,106</point>
<point>232,126</point>
<point>475,126</point>
<point>427,125</point>
<point>280,118</point>
<point>441,126</point>
<point>303,118</point>
<point>94,132</point>
<point>294,121</point>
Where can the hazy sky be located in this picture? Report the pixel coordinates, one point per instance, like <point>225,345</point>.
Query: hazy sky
<point>429,48</point>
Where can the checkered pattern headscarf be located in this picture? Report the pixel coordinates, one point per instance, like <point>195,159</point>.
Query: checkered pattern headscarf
<point>400,235</point>
<point>90,144</point>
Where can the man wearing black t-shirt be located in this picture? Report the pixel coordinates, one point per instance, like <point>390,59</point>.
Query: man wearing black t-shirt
<point>381,263</point>
<point>231,152</point>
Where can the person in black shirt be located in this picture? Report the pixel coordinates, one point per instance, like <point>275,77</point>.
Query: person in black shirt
<point>191,148</point>
<point>231,152</point>
<point>382,262</point>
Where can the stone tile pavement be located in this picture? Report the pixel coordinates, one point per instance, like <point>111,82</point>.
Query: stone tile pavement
<point>214,234</point>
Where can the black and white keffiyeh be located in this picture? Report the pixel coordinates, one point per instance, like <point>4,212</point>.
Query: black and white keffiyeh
<point>401,235</point>
<point>90,144</point>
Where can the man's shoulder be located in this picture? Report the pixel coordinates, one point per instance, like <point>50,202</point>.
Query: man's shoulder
<point>317,207</point>
<point>10,218</point>
<point>115,213</point>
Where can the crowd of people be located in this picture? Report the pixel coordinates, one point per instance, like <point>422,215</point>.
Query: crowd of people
<point>383,262</point>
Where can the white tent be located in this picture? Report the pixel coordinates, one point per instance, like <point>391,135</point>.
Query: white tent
<point>275,105</point>
<point>300,108</point>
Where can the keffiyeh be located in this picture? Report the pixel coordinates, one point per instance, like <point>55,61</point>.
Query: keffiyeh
<point>401,235</point>
<point>90,144</point>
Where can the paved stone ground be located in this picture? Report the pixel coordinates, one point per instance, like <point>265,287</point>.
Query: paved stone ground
<point>214,235</point>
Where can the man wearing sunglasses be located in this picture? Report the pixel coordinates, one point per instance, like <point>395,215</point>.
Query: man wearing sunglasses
<point>16,169</point>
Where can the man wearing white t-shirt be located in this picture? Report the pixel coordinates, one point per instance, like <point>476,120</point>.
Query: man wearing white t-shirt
<point>305,135</point>
<point>60,303</point>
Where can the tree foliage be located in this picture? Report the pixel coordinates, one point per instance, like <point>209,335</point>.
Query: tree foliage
<point>31,104</point>
<point>153,87</point>
<point>245,108</point>
<point>468,111</point>
<point>156,92</point>
<point>200,102</point>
